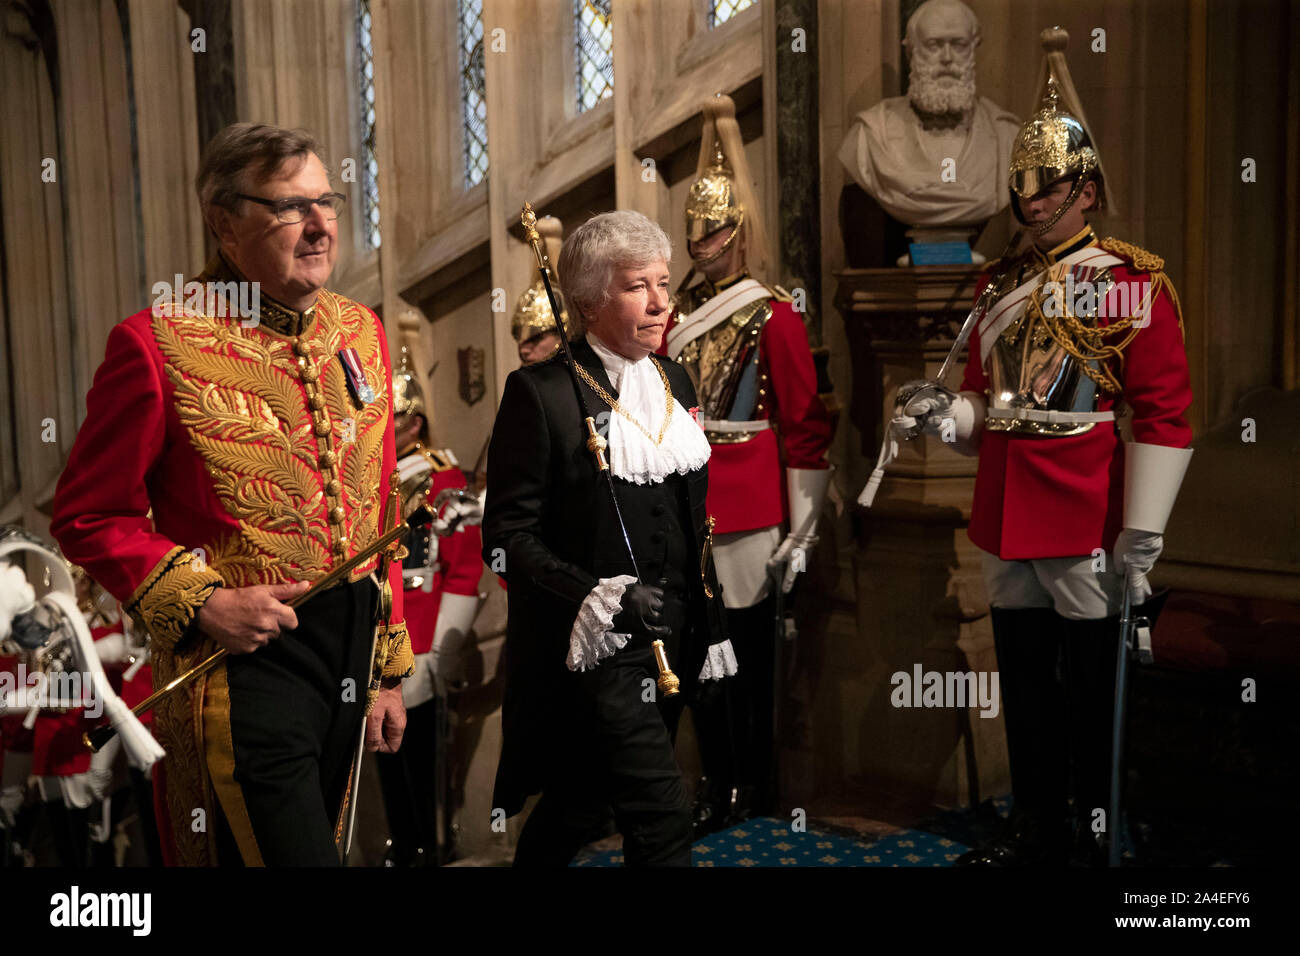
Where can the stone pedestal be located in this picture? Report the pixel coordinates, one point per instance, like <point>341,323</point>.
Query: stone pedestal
<point>919,590</point>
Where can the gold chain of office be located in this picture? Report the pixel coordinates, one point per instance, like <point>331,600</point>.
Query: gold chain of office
<point>613,402</point>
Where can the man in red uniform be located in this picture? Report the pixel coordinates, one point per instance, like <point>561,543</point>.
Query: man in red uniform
<point>747,353</point>
<point>252,413</point>
<point>75,786</point>
<point>440,576</point>
<point>1077,338</point>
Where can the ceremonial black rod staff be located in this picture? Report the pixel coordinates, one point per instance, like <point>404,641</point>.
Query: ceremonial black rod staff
<point>97,738</point>
<point>668,683</point>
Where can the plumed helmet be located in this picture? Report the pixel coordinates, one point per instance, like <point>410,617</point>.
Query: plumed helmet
<point>408,397</point>
<point>722,194</point>
<point>533,314</point>
<point>1055,143</point>
<point>712,202</point>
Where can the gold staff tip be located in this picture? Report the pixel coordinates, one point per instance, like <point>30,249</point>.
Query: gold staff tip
<point>528,219</point>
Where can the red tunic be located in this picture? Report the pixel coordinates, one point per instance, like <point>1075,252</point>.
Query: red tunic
<point>218,493</point>
<point>747,479</point>
<point>55,739</point>
<point>14,737</point>
<point>1048,497</point>
<point>215,452</point>
<point>460,566</point>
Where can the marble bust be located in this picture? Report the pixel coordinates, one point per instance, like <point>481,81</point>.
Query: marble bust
<point>939,155</point>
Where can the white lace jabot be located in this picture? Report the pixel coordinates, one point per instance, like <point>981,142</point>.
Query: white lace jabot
<point>633,456</point>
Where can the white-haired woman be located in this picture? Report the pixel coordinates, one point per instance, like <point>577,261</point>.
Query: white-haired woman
<point>583,721</point>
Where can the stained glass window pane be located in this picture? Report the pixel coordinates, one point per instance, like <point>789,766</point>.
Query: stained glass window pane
<point>720,11</point>
<point>594,46</point>
<point>369,166</point>
<point>473,95</point>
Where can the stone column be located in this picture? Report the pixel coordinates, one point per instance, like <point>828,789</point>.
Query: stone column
<point>798,156</point>
<point>214,71</point>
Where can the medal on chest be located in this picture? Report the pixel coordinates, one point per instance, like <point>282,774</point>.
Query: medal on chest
<point>362,393</point>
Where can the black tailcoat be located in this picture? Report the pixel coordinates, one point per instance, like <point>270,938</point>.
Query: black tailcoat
<point>549,529</point>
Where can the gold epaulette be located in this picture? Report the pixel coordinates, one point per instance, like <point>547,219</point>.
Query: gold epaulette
<point>440,459</point>
<point>779,293</point>
<point>1144,261</point>
<point>1139,258</point>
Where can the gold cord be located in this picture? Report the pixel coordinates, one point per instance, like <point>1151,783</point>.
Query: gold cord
<point>1088,344</point>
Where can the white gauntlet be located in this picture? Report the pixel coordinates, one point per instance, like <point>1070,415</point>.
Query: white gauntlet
<point>1152,476</point>
<point>807,489</point>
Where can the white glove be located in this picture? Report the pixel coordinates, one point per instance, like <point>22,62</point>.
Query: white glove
<point>456,508</point>
<point>452,638</point>
<point>923,406</point>
<point>789,559</point>
<point>806,489</point>
<point>920,405</point>
<point>1135,555</point>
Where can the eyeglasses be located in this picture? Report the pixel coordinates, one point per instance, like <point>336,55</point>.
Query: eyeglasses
<point>296,208</point>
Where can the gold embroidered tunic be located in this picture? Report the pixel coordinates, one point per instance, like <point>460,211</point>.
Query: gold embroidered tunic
<point>224,451</point>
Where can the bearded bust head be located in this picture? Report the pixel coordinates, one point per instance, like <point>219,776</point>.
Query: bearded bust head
<point>941,39</point>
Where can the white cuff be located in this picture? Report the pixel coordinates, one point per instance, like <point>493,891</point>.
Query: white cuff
<point>806,489</point>
<point>591,640</point>
<point>720,663</point>
<point>968,415</point>
<point>1152,476</point>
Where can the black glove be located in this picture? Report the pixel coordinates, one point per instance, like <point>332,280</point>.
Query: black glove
<point>641,611</point>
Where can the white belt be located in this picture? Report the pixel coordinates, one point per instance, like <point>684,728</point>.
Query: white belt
<point>1043,415</point>
<point>750,427</point>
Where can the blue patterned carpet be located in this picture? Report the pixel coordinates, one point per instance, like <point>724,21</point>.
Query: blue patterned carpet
<point>937,841</point>
<point>770,841</point>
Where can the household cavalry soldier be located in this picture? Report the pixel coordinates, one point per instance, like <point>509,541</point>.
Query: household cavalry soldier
<point>533,322</point>
<point>238,446</point>
<point>440,576</point>
<point>746,351</point>
<point>1075,398</point>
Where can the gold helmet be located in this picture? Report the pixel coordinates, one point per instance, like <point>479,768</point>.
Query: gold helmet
<point>408,398</point>
<point>1055,143</point>
<point>533,314</point>
<point>712,202</point>
<point>722,194</point>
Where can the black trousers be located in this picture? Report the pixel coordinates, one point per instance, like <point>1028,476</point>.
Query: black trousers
<point>733,718</point>
<point>409,781</point>
<point>296,709</point>
<point>618,758</point>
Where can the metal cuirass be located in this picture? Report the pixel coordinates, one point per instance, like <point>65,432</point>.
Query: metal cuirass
<point>421,561</point>
<point>1030,369</point>
<point>723,365</point>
